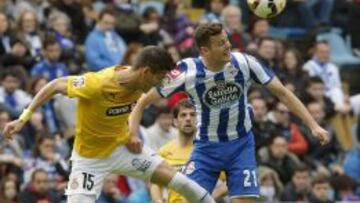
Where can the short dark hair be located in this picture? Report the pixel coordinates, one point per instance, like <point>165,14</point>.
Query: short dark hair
<point>263,39</point>
<point>106,11</point>
<point>321,42</point>
<point>185,103</point>
<point>300,168</point>
<point>314,80</point>
<point>49,41</point>
<point>274,134</point>
<point>39,170</point>
<point>205,31</point>
<point>148,11</point>
<point>162,110</point>
<point>156,58</point>
<point>10,72</point>
<point>320,179</point>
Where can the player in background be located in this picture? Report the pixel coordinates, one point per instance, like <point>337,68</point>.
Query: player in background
<point>217,83</point>
<point>102,141</point>
<point>177,152</point>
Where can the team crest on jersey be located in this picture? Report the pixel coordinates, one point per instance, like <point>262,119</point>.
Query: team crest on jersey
<point>189,168</point>
<point>78,81</point>
<point>74,184</point>
<point>173,74</point>
<point>222,95</point>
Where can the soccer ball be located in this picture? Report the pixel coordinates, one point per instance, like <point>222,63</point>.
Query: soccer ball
<point>266,8</point>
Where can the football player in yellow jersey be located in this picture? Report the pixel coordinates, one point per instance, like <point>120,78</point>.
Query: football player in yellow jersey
<point>177,151</point>
<point>103,144</point>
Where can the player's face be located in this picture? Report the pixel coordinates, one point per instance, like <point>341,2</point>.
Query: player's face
<point>220,48</point>
<point>186,121</point>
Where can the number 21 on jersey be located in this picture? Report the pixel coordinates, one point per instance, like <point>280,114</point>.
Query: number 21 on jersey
<point>250,178</point>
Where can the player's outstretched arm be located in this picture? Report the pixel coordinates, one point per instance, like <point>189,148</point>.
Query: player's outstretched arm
<point>145,100</point>
<point>296,107</point>
<point>49,90</point>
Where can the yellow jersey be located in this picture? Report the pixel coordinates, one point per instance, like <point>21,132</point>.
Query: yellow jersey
<point>102,112</point>
<point>176,156</point>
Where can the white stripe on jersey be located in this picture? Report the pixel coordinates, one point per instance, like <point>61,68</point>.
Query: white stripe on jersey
<point>244,66</point>
<point>190,88</point>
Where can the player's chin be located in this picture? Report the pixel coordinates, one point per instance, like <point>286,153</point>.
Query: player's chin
<point>227,57</point>
<point>189,130</point>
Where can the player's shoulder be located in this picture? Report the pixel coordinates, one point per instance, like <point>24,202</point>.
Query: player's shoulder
<point>92,78</point>
<point>185,64</point>
<point>243,57</point>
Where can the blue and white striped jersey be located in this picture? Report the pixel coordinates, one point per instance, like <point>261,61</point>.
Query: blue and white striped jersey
<point>220,98</point>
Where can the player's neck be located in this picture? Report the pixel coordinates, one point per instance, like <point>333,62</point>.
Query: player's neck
<point>184,140</point>
<point>212,65</point>
<point>127,79</point>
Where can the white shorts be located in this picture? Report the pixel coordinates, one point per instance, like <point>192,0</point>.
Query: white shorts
<point>87,175</point>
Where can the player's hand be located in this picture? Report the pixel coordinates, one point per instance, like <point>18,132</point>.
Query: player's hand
<point>321,135</point>
<point>12,127</point>
<point>134,144</point>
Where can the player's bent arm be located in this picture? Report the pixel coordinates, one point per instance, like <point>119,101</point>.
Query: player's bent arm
<point>56,86</point>
<point>136,115</point>
<point>292,102</point>
<point>49,90</point>
<point>156,193</point>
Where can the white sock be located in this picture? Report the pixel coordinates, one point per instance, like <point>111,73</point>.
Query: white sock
<point>193,192</point>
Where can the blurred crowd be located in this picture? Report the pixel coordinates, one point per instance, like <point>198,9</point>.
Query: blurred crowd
<point>310,46</point>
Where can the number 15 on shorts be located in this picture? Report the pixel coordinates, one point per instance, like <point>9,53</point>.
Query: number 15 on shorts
<point>250,179</point>
<point>88,182</point>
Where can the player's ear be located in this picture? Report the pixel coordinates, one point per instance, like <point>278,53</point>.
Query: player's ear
<point>144,71</point>
<point>204,50</point>
<point>176,123</point>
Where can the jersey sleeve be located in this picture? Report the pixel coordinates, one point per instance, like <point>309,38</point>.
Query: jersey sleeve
<point>162,152</point>
<point>83,86</point>
<point>258,73</point>
<point>174,81</point>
